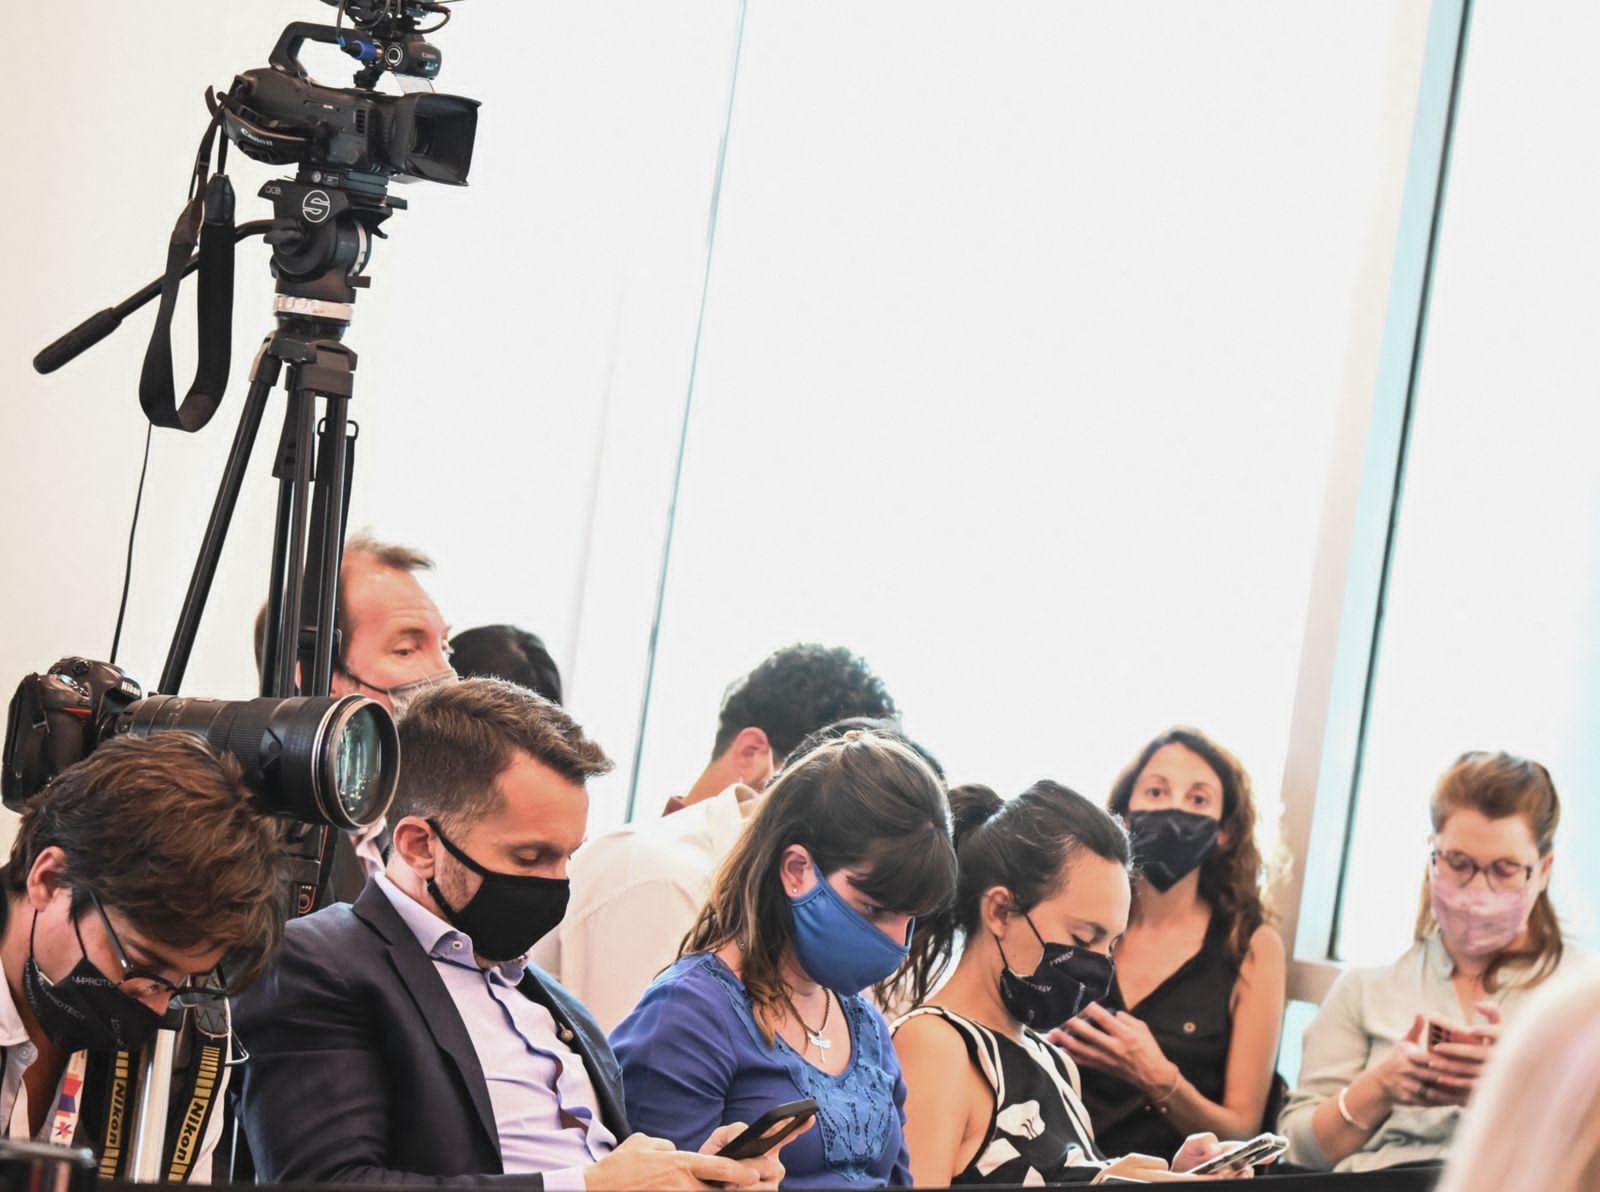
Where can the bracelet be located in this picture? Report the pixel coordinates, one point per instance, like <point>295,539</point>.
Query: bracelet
<point>1160,1103</point>
<point>1344,1112</point>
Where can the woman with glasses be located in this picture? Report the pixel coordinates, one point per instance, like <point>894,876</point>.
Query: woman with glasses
<point>1394,1052</point>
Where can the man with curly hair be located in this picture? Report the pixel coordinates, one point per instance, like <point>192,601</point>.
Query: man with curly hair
<point>637,890</point>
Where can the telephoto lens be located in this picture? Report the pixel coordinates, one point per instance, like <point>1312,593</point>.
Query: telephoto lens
<point>322,759</point>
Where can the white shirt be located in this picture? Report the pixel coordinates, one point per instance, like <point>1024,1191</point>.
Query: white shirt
<point>636,892</point>
<point>1365,1015</point>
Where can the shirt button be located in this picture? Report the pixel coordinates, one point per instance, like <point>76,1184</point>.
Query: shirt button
<point>456,945</point>
<point>1188,1028</point>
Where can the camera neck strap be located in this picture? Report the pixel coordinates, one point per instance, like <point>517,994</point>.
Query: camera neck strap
<point>206,222</point>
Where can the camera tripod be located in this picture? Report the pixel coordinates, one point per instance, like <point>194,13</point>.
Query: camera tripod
<point>321,241</point>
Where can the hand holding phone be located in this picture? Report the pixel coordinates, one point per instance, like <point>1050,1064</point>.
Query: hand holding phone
<point>1438,1032</point>
<point>1263,1148</point>
<point>771,1130</point>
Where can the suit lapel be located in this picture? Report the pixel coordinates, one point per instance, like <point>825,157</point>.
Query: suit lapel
<point>578,1031</point>
<point>419,978</point>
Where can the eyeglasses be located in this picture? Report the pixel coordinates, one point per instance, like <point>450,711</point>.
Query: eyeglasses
<point>1503,875</point>
<point>205,990</point>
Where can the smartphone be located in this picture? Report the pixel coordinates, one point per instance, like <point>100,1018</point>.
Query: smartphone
<point>1263,1148</point>
<point>1442,1032</point>
<point>771,1130</point>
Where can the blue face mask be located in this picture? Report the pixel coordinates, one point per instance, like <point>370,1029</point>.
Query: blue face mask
<point>838,946</point>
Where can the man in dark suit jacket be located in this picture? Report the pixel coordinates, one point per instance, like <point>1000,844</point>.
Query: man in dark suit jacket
<point>403,1039</point>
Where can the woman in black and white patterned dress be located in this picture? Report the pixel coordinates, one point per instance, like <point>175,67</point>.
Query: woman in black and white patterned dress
<point>989,1101</point>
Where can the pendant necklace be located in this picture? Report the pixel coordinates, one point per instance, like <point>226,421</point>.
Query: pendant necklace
<point>814,1036</point>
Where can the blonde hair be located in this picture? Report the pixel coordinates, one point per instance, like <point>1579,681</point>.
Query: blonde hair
<point>1534,1121</point>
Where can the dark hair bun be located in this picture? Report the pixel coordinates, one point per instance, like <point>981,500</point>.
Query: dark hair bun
<point>971,805</point>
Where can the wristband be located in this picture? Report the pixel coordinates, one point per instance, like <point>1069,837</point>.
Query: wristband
<point>1344,1112</point>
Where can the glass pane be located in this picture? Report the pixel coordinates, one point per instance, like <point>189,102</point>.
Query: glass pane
<point>1492,639</point>
<point>1021,364</point>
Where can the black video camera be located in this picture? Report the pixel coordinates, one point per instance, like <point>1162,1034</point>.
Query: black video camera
<point>277,114</point>
<point>323,759</point>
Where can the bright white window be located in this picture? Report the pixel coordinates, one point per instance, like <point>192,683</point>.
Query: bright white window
<point>1492,633</point>
<point>1025,333</point>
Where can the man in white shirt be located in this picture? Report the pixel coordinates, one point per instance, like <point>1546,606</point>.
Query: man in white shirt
<point>636,891</point>
<point>133,874</point>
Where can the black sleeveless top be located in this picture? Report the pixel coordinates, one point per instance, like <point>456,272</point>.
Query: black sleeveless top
<point>1039,1131</point>
<point>1189,1016</point>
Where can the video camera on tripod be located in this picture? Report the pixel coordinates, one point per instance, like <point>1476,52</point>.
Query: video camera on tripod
<point>321,762</point>
<point>318,759</point>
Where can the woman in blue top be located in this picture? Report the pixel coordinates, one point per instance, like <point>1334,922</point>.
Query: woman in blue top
<point>815,903</point>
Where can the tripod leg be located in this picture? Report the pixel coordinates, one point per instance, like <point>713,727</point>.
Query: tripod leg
<point>289,545</point>
<point>328,509</point>
<point>263,376</point>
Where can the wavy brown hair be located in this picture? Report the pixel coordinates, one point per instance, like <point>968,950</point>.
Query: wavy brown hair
<point>864,802</point>
<point>1499,785</point>
<point>1233,878</point>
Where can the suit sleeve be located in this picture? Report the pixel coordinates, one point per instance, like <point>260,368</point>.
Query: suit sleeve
<point>315,1094</point>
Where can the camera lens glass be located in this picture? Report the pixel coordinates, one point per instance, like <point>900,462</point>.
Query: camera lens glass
<point>358,764</point>
<point>322,759</point>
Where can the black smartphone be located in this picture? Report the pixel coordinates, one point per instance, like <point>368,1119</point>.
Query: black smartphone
<point>771,1130</point>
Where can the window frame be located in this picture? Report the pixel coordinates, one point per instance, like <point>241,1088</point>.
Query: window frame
<point>1355,551</point>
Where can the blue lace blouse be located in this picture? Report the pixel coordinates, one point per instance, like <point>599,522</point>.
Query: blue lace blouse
<point>694,1059</point>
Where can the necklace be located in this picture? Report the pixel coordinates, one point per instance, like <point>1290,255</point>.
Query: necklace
<point>813,1034</point>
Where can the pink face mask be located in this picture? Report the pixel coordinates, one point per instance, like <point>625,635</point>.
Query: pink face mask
<point>1478,923</point>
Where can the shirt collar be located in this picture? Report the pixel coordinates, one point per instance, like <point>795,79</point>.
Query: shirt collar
<point>436,935</point>
<point>1438,956</point>
<point>12,1032</point>
<point>725,817</point>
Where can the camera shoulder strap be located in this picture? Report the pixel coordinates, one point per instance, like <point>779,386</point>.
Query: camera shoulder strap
<point>112,1106</point>
<point>207,222</point>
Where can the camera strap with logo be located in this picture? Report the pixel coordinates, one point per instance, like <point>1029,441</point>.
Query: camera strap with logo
<point>207,222</point>
<point>196,1082</point>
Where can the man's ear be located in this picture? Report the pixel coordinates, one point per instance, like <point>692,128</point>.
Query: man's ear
<point>339,684</point>
<point>752,756</point>
<point>47,876</point>
<point>413,843</point>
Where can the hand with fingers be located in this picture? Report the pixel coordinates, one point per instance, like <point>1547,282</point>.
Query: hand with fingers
<point>1453,1067</point>
<point>644,1162</point>
<point>1403,1075</point>
<point>1115,1041</point>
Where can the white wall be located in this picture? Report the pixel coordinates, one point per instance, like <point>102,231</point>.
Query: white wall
<point>1036,320</point>
<point>524,345</point>
<point>1122,196</point>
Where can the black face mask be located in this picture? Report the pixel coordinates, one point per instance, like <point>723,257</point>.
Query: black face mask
<point>1170,845</point>
<point>85,1011</point>
<point>509,913</point>
<point>1067,981</point>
